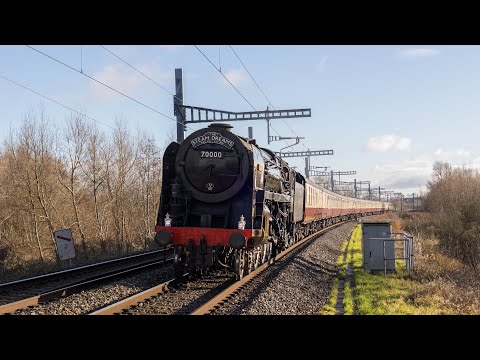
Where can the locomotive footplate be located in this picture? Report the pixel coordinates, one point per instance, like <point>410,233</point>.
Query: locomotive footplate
<point>206,247</point>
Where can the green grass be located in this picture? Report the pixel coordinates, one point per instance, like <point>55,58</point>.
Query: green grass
<point>348,292</point>
<point>329,309</point>
<point>380,295</point>
<point>348,305</point>
<point>373,293</point>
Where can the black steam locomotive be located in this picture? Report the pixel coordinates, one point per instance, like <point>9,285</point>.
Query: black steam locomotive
<point>226,202</point>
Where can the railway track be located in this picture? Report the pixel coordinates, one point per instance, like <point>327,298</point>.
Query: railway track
<point>174,297</point>
<point>23,293</point>
<point>196,296</point>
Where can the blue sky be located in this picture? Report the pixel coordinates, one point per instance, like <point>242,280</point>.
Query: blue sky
<point>388,112</point>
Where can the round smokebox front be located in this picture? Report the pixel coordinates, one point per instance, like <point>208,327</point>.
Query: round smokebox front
<point>213,163</point>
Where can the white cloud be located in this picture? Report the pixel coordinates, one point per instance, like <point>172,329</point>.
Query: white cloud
<point>404,176</point>
<point>118,78</point>
<point>463,152</point>
<point>322,64</point>
<point>475,163</point>
<point>236,76</point>
<point>411,174</point>
<point>126,80</point>
<point>449,155</point>
<point>417,53</point>
<point>388,142</point>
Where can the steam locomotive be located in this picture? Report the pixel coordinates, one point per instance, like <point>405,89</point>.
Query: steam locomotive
<point>226,202</point>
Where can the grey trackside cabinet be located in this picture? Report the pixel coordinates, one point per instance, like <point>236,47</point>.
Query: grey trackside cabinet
<point>373,245</point>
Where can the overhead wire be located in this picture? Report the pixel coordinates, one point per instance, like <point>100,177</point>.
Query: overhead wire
<point>149,78</point>
<point>255,81</point>
<point>106,85</point>
<point>219,69</point>
<point>258,86</point>
<point>261,90</point>
<point>63,105</point>
<point>238,91</point>
<point>140,72</point>
<point>268,100</point>
<point>216,68</point>
<point>55,101</point>
<point>121,93</point>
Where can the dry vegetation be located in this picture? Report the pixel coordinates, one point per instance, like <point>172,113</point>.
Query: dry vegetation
<point>449,240</point>
<point>105,188</point>
<point>439,284</point>
<point>443,280</point>
<point>447,253</point>
<point>454,204</point>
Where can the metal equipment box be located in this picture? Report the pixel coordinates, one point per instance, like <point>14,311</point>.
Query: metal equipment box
<point>375,249</point>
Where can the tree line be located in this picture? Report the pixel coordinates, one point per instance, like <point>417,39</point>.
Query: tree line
<point>106,188</point>
<point>453,201</point>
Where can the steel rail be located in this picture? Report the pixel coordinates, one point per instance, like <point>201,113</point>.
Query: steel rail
<point>237,286</point>
<point>76,287</point>
<point>76,269</point>
<point>124,304</point>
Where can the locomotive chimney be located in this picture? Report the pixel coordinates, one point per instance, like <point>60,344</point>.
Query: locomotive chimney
<point>226,127</point>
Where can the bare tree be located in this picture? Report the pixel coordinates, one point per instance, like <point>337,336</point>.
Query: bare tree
<point>149,166</point>
<point>106,188</point>
<point>31,163</point>
<point>94,170</point>
<point>453,199</point>
<point>119,177</point>
<point>74,151</point>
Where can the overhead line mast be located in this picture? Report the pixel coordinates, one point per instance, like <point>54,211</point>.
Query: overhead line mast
<point>194,114</point>
<point>307,155</point>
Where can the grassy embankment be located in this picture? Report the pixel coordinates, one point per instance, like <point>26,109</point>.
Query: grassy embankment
<point>380,295</point>
<point>439,284</point>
